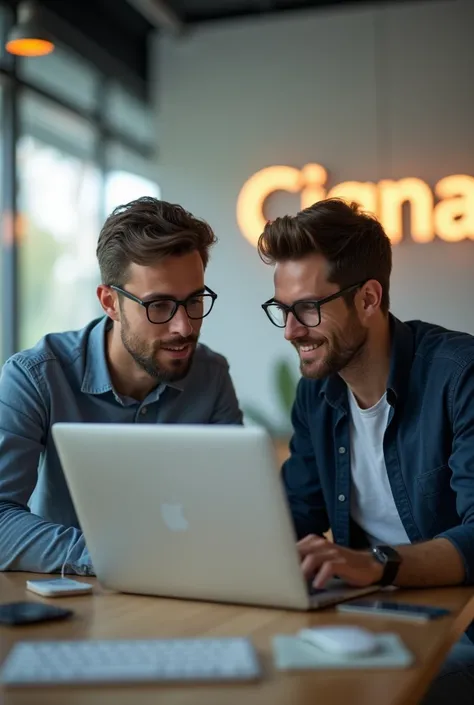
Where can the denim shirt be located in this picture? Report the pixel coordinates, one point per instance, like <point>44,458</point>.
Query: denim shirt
<point>428,444</point>
<point>66,378</point>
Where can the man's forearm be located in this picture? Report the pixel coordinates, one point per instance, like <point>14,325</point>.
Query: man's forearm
<point>28,543</point>
<point>430,564</point>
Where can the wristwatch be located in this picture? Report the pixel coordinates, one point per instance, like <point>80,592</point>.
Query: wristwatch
<point>390,559</point>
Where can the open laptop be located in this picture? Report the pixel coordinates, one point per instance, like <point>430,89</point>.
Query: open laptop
<point>187,511</point>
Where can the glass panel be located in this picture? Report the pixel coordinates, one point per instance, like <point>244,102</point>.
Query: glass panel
<point>6,20</point>
<point>129,115</point>
<point>59,201</point>
<point>63,74</point>
<point>43,119</point>
<point>129,176</point>
<point>1,248</point>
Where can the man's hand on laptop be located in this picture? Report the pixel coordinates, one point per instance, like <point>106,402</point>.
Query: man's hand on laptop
<point>324,560</point>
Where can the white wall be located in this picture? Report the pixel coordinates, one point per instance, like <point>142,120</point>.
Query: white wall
<point>368,93</point>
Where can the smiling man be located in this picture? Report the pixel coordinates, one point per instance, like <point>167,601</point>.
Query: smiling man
<point>383,445</point>
<point>140,363</point>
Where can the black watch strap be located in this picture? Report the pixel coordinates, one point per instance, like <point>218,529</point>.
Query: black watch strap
<point>390,559</point>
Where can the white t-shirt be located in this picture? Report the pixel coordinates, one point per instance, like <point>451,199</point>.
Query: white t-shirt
<point>372,503</point>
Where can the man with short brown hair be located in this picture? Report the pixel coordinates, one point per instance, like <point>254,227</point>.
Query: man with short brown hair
<point>140,363</point>
<point>383,444</point>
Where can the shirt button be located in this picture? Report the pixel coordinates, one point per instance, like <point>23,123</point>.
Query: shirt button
<point>342,450</point>
<point>342,498</point>
<point>143,411</point>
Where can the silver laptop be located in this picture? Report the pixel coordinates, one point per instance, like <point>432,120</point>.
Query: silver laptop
<point>194,512</point>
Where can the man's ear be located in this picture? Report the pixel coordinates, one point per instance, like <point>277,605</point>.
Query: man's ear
<point>109,301</point>
<point>370,298</point>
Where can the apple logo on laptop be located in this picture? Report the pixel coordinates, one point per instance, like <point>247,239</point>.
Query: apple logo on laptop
<point>173,517</point>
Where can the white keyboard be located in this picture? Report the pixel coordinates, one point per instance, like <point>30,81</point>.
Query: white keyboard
<point>101,662</point>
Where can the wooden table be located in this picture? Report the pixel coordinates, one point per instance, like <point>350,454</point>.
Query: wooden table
<point>107,615</point>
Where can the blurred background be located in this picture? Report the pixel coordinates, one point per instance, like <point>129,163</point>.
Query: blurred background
<point>188,100</point>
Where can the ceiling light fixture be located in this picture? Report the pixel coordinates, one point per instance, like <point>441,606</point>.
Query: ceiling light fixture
<point>27,37</point>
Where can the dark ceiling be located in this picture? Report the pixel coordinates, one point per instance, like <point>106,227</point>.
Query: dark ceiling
<point>114,34</point>
<point>121,13</point>
<point>192,11</point>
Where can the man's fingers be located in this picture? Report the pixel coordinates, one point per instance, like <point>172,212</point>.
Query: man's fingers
<point>329,570</point>
<point>307,566</point>
<point>313,562</point>
<point>309,544</point>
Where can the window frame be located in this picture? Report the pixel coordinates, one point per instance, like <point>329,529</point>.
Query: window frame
<point>13,88</point>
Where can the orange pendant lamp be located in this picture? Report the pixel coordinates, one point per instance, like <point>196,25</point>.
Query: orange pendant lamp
<point>27,37</point>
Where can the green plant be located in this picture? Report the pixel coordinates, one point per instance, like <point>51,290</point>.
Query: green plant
<point>285,388</point>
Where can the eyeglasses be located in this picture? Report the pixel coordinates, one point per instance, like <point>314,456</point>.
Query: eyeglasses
<point>163,309</point>
<point>306,311</point>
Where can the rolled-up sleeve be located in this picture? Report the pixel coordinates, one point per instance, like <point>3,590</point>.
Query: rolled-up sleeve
<point>27,541</point>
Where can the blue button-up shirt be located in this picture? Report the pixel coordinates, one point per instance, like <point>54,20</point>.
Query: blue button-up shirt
<point>66,378</point>
<point>428,444</point>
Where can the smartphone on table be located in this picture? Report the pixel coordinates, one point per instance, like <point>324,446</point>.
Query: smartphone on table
<point>17,613</point>
<point>400,610</point>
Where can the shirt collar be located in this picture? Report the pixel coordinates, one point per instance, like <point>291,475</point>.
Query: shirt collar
<point>96,378</point>
<point>401,358</point>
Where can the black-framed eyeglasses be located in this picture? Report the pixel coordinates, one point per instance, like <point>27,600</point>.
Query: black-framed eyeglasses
<point>162,310</point>
<point>306,311</point>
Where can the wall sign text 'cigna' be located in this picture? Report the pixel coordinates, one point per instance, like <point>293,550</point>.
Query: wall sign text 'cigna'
<point>448,212</point>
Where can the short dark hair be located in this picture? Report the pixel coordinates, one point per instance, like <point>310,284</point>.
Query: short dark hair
<point>353,242</point>
<point>146,230</point>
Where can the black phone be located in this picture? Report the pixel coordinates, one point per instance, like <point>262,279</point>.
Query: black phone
<point>419,613</point>
<point>15,613</point>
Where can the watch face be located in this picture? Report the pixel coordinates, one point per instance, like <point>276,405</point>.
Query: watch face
<point>387,553</point>
<point>380,554</point>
